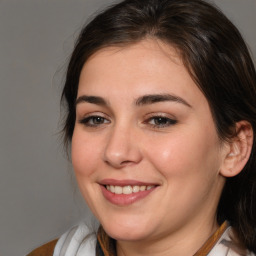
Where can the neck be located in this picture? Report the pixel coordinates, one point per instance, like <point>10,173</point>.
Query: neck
<point>178,243</point>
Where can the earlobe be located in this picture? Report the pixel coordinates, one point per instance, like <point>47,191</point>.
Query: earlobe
<point>238,150</point>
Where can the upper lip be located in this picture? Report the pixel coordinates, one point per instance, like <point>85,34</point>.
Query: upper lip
<point>115,182</point>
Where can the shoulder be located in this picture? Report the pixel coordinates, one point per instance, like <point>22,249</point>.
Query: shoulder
<point>77,241</point>
<point>225,247</point>
<point>44,250</point>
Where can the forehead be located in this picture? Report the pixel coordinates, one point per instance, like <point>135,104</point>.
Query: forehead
<point>146,67</point>
<point>155,45</point>
<point>151,49</point>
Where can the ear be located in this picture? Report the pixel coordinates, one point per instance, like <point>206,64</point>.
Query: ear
<point>237,150</point>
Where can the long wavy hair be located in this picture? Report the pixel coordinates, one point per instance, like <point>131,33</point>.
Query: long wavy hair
<point>217,58</point>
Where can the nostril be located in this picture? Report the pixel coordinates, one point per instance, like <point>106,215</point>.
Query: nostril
<point>125,162</point>
<point>121,151</point>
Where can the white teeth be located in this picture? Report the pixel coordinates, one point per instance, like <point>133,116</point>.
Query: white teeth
<point>127,189</point>
<point>135,189</point>
<point>142,188</point>
<point>118,190</point>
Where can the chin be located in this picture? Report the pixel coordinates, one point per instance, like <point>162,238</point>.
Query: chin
<point>126,236</point>
<point>126,233</point>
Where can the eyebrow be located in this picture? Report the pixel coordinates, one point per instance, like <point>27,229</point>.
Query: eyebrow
<point>143,100</point>
<point>156,98</point>
<point>91,99</point>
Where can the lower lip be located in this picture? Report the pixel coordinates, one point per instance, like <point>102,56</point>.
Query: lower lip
<point>123,199</point>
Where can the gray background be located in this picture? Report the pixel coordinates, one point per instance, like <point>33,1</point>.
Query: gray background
<point>38,195</point>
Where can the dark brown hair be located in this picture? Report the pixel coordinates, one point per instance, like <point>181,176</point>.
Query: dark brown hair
<point>216,57</point>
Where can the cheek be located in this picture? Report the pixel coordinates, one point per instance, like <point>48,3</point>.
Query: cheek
<point>189,166</point>
<point>185,153</point>
<point>84,154</point>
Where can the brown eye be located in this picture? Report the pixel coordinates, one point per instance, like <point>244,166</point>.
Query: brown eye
<point>160,121</point>
<point>97,120</point>
<point>94,121</point>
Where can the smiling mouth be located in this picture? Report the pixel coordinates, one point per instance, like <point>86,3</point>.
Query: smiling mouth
<point>127,190</point>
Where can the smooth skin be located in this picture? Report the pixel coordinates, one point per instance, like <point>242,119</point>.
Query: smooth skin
<point>170,141</point>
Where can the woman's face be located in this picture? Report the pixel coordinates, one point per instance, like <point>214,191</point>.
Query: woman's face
<point>145,150</point>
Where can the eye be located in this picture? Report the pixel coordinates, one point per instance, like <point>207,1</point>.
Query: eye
<point>160,121</point>
<point>94,121</point>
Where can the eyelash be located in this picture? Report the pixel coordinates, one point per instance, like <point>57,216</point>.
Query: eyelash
<point>86,121</point>
<point>91,121</point>
<point>156,118</point>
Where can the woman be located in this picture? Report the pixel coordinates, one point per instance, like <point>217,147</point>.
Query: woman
<point>161,118</point>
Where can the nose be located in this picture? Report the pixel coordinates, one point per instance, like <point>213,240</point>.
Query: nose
<point>122,148</point>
